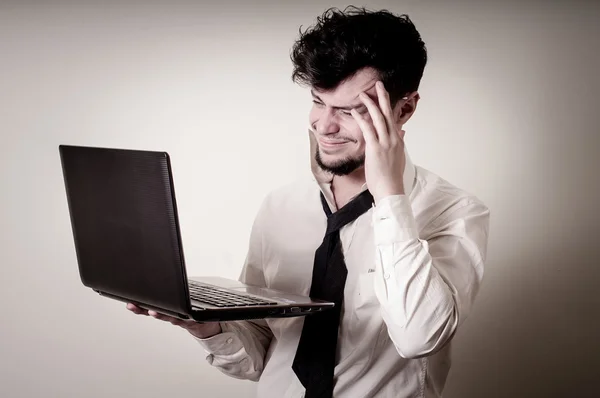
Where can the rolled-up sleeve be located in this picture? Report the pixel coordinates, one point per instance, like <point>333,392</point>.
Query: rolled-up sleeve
<point>239,350</point>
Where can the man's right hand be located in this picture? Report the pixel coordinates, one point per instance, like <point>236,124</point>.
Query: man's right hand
<point>200,330</point>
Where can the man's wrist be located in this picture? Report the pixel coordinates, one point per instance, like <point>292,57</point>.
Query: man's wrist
<point>387,193</point>
<point>206,330</point>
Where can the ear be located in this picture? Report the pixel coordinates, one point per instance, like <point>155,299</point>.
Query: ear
<point>404,109</point>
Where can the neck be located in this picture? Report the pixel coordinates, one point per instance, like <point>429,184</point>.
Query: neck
<point>346,187</point>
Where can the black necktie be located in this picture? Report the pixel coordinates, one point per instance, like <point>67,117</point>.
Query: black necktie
<point>315,357</point>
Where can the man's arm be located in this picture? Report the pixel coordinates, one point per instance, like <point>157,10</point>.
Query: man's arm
<point>426,288</point>
<point>239,349</point>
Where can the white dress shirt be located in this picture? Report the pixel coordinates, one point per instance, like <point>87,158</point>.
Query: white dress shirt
<point>415,263</point>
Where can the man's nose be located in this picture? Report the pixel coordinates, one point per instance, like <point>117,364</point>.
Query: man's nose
<point>327,123</point>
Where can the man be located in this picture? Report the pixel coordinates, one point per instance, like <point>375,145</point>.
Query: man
<point>399,249</point>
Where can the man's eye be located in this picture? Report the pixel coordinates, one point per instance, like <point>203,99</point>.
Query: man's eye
<point>317,103</point>
<point>345,113</point>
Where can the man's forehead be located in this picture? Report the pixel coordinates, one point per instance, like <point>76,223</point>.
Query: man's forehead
<point>349,89</point>
<point>346,92</point>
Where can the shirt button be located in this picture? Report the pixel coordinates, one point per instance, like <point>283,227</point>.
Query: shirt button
<point>229,340</point>
<point>386,275</point>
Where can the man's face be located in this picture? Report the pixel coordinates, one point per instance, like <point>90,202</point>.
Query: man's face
<point>340,142</point>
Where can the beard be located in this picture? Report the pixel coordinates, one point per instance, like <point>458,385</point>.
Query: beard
<point>341,167</point>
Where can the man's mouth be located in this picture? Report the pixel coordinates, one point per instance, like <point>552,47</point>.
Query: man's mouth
<point>332,143</point>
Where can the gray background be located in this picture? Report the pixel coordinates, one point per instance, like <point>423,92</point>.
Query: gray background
<point>509,111</point>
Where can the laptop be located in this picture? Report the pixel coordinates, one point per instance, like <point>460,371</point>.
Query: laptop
<point>128,244</point>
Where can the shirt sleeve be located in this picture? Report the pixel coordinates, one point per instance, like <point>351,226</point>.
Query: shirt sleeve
<point>240,349</point>
<point>426,286</point>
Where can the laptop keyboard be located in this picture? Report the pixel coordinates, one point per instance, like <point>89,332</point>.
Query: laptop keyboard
<point>223,298</point>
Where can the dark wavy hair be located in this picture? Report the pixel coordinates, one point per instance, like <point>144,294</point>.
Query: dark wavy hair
<point>343,42</point>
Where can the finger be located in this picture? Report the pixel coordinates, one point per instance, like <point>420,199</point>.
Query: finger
<point>366,128</point>
<point>386,107</point>
<point>166,318</point>
<point>136,310</point>
<point>378,120</point>
<point>158,315</point>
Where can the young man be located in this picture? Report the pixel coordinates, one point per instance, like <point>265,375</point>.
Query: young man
<point>399,249</point>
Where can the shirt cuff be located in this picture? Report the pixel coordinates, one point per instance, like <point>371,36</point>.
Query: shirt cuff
<point>393,220</point>
<point>224,343</point>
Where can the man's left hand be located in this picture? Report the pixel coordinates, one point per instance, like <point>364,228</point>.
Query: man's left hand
<point>384,152</point>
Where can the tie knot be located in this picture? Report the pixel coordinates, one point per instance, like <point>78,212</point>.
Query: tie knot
<point>348,213</point>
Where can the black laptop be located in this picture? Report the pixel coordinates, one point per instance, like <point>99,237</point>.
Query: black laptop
<point>128,243</point>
